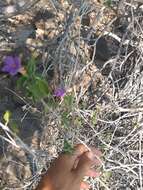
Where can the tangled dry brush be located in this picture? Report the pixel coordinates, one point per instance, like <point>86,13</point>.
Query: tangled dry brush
<point>94,49</point>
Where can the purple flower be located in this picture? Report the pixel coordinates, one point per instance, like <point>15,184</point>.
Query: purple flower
<point>12,65</point>
<point>59,92</point>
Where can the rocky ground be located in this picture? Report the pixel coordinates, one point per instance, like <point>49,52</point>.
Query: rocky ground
<point>94,50</point>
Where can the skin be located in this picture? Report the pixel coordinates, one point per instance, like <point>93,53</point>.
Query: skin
<point>67,171</point>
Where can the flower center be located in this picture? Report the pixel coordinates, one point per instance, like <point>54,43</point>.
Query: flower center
<point>13,65</point>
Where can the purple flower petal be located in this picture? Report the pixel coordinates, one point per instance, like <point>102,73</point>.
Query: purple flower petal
<point>5,68</point>
<point>60,92</point>
<point>17,62</point>
<point>12,65</point>
<point>8,60</point>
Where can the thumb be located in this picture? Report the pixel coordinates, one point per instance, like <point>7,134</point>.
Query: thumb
<point>84,164</point>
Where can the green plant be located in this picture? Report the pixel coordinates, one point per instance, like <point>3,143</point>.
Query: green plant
<point>69,101</point>
<point>67,110</point>
<point>78,121</point>
<point>68,148</point>
<point>94,118</point>
<point>65,119</point>
<point>7,117</point>
<point>33,83</point>
<point>108,3</point>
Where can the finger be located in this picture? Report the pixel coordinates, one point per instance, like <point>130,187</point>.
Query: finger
<point>70,161</point>
<point>84,185</point>
<point>97,157</point>
<point>96,162</point>
<point>93,173</point>
<point>80,149</point>
<point>75,163</point>
<point>74,157</point>
<point>84,164</point>
<point>96,152</point>
<point>66,161</point>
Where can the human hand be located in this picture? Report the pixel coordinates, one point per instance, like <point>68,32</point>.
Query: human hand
<point>67,171</point>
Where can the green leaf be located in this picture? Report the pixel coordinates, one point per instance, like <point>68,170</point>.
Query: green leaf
<point>7,116</point>
<point>94,118</point>
<point>78,121</point>
<point>52,103</point>
<point>14,127</point>
<point>68,148</point>
<point>22,81</point>
<point>107,175</point>
<point>69,100</point>
<point>38,89</point>
<point>31,67</point>
<point>108,2</point>
<point>65,119</point>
